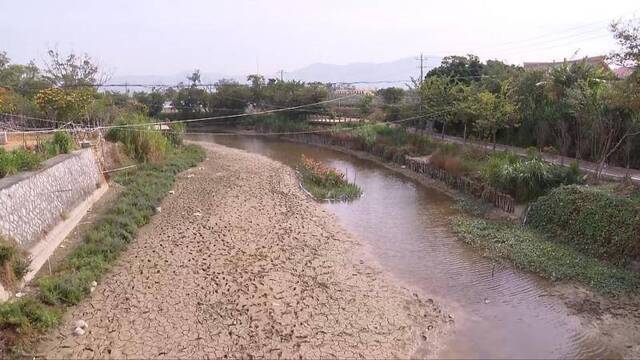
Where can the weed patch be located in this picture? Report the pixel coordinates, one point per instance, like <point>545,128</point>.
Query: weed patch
<point>529,250</point>
<point>326,183</point>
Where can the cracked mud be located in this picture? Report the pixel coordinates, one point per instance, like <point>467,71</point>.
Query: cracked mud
<point>240,263</point>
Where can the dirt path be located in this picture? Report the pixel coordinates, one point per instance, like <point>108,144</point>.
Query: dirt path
<point>240,263</point>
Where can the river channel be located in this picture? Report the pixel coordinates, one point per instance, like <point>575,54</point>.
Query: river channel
<point>499,311</point>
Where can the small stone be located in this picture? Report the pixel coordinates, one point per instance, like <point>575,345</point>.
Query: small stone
<point>78,332</point>
<point>94,283</point>
<point>197,214</point>
<point>19,295</point>
<point>190,175</point>
<point>486,301</point>
<point>92,289</point>
<point>159,209</point>
<point>171,192</point>
<point>81,324</point>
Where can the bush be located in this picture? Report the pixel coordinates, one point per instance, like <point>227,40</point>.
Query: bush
<point>142,142</point>
<point>526,179</point>
<point>594,221</point>
<point>12,162</point>
<point>63,142</point>
<point>14,263</point>
<point>176,134</point>
<point>26,315</point>
<point>326,183</point>
<point>280,124</point>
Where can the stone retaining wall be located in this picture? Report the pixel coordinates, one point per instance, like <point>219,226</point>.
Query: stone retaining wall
<point>32,203</point>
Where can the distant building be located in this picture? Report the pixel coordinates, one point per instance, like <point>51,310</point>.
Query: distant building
<point>595,61</point>
<point>347,92</point>
<point>168,108</point>
<point>623,72</point>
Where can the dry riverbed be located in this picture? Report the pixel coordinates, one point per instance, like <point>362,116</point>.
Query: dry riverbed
<point>239,262</point>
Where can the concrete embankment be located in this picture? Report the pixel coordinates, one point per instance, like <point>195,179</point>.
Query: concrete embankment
<point>38,209</point>
<point>240,262</point>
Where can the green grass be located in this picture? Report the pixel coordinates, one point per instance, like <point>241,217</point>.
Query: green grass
<point>530,251</point>
<point>71,280</point>
<point>326,183</point>
<point>21,159</point>
<point>324,191</point>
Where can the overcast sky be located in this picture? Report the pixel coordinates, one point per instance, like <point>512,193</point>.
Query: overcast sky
<point>140,37</point>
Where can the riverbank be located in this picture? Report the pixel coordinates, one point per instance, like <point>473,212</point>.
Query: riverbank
<point>240,262</point>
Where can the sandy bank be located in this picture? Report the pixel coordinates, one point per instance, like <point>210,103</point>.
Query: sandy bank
<point>240,263</point>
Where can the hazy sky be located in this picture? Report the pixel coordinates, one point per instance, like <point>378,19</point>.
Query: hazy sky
<point>161,37</point>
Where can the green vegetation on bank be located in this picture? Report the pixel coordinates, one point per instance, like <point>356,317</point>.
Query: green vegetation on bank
<point>30,158</point>
<point>71,281</point>
<point>530,251</point>
<point>326,183</point>
<point>592,220</point>
<point>14,263</point>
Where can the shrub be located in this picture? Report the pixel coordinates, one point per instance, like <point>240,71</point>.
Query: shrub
<point>526,179</point>
<point>18,160</point>
<point>591,220</point>
<point>280,124</point>
<point>176,134</point>
<point>324,182</point>
<point>63,142</point>
<point>14,263</point>
<point>25,315</point>
<point>144,143</point>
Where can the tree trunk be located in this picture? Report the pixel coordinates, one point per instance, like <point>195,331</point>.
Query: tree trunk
<point>444,125</point>
<point>494,140</point>
<point>464,136</point>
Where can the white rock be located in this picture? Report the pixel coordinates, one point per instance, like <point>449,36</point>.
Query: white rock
<point>94,283</point>
<point>197,214</point>
<point>92,289</point>
<point>78,332</point>
<point>171,192</point>
<point>19,295</point>
<point>159,209</point>
<point>190,175</point>
<point>81,324</point>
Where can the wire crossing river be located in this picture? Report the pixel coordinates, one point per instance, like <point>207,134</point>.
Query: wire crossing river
<point>240,263</point>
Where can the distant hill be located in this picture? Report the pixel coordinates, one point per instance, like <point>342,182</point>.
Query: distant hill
<point>367,75</point>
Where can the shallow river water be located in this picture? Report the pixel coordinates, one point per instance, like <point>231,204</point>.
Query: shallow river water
<point>498,310</point>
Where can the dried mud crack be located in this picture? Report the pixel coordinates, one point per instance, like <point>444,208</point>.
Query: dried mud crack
<point>240,263</point>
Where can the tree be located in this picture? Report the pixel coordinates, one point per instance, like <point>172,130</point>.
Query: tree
<point>494,112</point>
<point>72,70</point>
<point>464,69</point>
<point>153,100</point>
<point>391,102</point>
<point>627,34</point>
<point>441,97</point>
<point>64,105</point>
<point>25,80</point>
<point>365,105</point>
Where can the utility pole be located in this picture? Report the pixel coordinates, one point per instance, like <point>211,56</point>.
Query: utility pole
<point>281,75</point>
<point>421,58</point>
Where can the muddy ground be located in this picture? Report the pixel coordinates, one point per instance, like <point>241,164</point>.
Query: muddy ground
<point>239,262</point>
